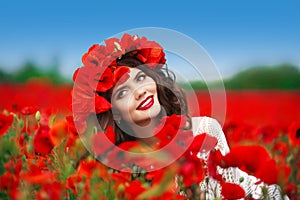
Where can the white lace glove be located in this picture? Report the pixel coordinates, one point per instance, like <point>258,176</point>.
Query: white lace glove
<point>232,175</point>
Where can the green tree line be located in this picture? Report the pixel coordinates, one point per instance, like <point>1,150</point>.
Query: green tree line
<point>283,76</point>
<point>31,70</point>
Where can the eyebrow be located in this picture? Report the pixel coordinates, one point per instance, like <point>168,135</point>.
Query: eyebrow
<point>121,88</point>
<point>137,75</point>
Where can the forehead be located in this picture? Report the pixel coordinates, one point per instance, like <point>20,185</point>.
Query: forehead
<point>133,72</point>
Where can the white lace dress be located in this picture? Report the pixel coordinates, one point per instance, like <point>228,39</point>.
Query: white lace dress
<point>233,175</point>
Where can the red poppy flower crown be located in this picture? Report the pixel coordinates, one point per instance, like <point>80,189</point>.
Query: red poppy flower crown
<point>100,71</point>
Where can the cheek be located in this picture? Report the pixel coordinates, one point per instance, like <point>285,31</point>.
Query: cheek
<point>152,87</point>
<point>124,106</point>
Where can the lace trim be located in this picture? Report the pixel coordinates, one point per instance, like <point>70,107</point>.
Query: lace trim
<point>233,175</point>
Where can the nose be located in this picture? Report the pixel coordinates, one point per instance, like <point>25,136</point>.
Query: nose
<point>139,93</point>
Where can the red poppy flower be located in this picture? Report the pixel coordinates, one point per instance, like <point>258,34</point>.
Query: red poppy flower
<point>70,145</point>
<point>157,176</point>
<point>101,104</point>
<point>50,191</point>
<point>268,172</point>
<point>298,174</point>
<point>75,74</point>
<point>137,154</point>
<point>132,146</point>
<point>99,53</point>
<point>214,160</point>
<point>249,158</point>
<point>118,156</point>
<point>170,195</point>
<point>45,116</point>
<point>72,182</point>
<point>81,79</point>
<point>203,143</point>
<point>168,190</point>
<point>94,78</point>
<point>121,177</point>
<point>177,121</point>
<point>84,104</point>
<point>110,61</point>
<point>151,52</point>
<point>100,144</point>
<point>232,191</point>
<point>129,43</point>
<point>281,149</point>
<point>104,81</point>
<point>8,181</point>
<point>126,42</point>
<point>120,74</point>
<point>110,45</point>
<point>58,132</point>
<point>237,132</point>
<point>77,127</point>
<point>192,172</point>
<point>42,142</point>
<point>267,133</point>
<point>88,167</point>
<point>165,134</point>
<point>134,189</point>
<point>170,126</point>
<point>38,176</point>
<point>94,56</point>
<point>15,165</point>
<point>184,139</point>
<point>100,71</point>
<point>89,50</point>
<point>29,110</point>
<point>292,191</point>
<point>15,193</point>
<point>294,133</point>
<point>71,125</point>
<point>284,172</point>
<point>5,123</point>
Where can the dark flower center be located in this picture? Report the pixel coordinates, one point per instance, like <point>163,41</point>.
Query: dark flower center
<point>298,133</point>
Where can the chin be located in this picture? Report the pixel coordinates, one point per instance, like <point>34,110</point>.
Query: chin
<point>149,114</point>
<point>154,111</point>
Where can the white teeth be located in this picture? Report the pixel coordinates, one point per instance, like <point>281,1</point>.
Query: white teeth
<point>144,104</point>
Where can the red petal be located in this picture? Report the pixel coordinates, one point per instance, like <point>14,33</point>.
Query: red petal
<point>232,191</point>
<point>101,104</point>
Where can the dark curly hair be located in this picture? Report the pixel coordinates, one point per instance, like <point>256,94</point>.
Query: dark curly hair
<point>171,97</point>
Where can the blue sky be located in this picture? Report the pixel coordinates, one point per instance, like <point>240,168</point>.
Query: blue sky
<point>236,34</point>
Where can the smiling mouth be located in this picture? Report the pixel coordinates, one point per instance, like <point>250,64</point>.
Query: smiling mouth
<point>147,103</point>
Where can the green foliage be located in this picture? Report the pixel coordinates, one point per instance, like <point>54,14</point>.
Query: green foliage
<point>284,76</point>
<point>8,149</point>
<point>30,70</point>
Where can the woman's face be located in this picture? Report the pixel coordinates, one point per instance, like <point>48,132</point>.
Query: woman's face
<point>135,101</point>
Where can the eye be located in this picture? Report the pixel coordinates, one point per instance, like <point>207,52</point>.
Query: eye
<point>141,77</point>
<point>121,94</point>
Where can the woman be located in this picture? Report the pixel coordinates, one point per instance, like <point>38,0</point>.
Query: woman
<point>127,84</point>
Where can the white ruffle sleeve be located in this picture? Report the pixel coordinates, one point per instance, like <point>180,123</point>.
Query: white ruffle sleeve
<point>233,175</point>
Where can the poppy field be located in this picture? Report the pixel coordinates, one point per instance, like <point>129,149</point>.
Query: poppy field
<point>42,156</point>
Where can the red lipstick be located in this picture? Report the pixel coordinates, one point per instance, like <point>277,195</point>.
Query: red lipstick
<point>147,103</point>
